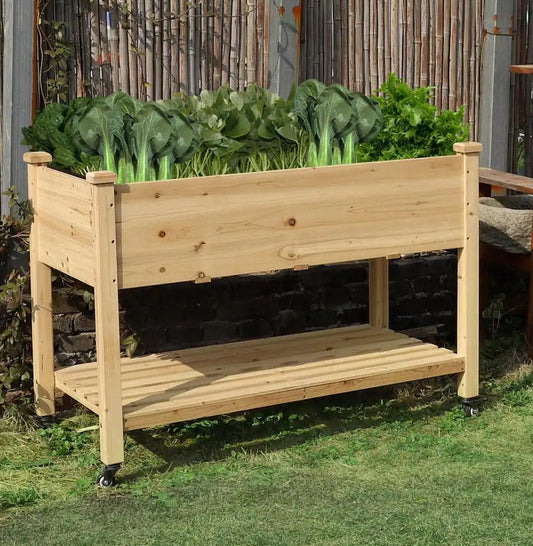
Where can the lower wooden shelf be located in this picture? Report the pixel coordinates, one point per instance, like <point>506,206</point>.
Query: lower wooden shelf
<point>205,381</point>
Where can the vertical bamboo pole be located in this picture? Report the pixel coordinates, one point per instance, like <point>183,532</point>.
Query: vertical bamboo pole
<point>351,44</point>
<point>158,51</point>
<point>395,63</point>
<point>41,298</point>
<point>439,37</point>
<point>96,80</point>
<point>260,39</point>
<point>324,37</point>
<point>402,49</point>
<point>458,73</point>
<point>387,42</point>
<point>424,44</point>
<point>183,38</point>
<point>217,44</point>
<point>373,47</point>
<point>344,43</point>
<point>337,50</point>
<point>123,21</point>
<point>266,45</point>
<point>250,43</point>
<point>141,48</point>
<point>226,42</point>
<point>204,44</point>
<point>432,42</point>
<point>417,41</point>
<point>191,57</point>
<point>166,60</point>
<point>410,45</point>
<point>366,47</point>
<point>234,46</point>
<point>134,67</point>
<point>150,50</point>
<point>468,274</point>
<point>107,84</point>
<point>106,315</point>
<point>446,75</point>
<point>244,34</point>
<point>112,11</point>
<point>380,46</point>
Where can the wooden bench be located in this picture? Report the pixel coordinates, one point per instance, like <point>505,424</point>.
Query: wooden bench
<point>123,236</point>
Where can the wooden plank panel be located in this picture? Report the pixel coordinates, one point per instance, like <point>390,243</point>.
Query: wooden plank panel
<point>191,392</point>
<point>209,380</point>
<point>222,356</point>
<point>225,225</point>
<point>391,376</point>
<point>178,373</point>
<point>65,226</point>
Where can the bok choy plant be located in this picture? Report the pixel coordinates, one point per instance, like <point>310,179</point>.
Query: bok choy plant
<point>217,132</point>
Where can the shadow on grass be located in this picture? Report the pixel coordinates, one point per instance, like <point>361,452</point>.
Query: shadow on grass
<point>288,425</point>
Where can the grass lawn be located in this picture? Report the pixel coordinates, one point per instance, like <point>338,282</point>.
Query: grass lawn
<point>395,467</point>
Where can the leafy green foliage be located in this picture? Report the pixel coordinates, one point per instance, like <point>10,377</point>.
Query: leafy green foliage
<point>217,132</point>
<point>63,441</point>
<point>412,127</point>
<point>335,120</point>
<point>15,309</point>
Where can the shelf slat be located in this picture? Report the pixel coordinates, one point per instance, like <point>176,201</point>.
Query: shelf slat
<point>205,381</point>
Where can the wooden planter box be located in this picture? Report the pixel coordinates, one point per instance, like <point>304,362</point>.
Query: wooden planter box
<point>123,236</point>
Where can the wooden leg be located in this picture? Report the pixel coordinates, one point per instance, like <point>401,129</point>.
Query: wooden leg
<point>378,297</point>
<point>42,337</point>
<point>107,321</point>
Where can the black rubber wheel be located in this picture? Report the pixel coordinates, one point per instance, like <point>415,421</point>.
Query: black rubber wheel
<point>105,482</point>
<point>471,411</point>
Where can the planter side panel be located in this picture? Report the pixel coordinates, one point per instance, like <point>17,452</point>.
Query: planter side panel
<point>65,231</point>
<point>195,229</point>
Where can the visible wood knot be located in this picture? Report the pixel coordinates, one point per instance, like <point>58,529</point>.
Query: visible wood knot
<point>162,233</point>
<point>199,246</point>
<point>162,270</point>
<point>291,221</point>
<point>157,195</point>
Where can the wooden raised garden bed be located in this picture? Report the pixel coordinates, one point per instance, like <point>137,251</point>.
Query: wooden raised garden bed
<point>122,236</point>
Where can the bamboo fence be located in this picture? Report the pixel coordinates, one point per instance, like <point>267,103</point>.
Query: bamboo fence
<point>154,48</point>
<point>520,156</point>
<point>425,42</point>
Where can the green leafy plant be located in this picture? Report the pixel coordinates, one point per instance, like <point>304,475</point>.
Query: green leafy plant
<point>63,441</point>
<point>336,120</point>
<point>15,309</point>
<point>412,127</point>
<point>217,132</point>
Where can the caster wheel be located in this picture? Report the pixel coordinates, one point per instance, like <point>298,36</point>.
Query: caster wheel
<point>106,482</point>
<point>107,477</point>
<point>471,411</point>
<point>472,406</point>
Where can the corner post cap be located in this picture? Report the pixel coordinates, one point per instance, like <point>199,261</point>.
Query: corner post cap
<point>101,177</point>
<point>37,158</point>
<point>467,147</point>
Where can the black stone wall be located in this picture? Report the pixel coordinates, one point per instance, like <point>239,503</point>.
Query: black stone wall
<point>422,293</point>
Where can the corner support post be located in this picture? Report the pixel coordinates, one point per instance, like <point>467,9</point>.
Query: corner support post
<point>107,318</point>
<point>468,273</point>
